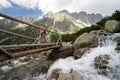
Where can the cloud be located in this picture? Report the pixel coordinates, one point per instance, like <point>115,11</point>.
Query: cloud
<point>29,4</point>
<point>91,6</point>
<point>1,18</point>
<point>53,5</point>
<point>5,4</point>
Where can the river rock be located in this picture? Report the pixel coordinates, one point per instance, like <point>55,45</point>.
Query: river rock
<point>101,63</point>
<point>63,52</point>
<point>57,74</point>
<point>33,68</point>
<point>79,52</point>
<point>112,26</point>
<point>70,76</point>
<point>84,42</point>
<point>88,40</point>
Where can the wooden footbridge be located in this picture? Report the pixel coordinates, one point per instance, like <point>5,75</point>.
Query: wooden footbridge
<point>14,51</point>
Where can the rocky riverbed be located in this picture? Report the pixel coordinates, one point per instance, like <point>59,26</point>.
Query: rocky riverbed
<point>93,56</point>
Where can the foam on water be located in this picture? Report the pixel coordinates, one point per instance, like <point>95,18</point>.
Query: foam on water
<point>14,63</point>
<point>40,77</point>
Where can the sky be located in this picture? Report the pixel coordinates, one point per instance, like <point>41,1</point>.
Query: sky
<point>37,8</point>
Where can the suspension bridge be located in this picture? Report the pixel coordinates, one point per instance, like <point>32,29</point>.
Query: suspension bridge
<point>14,51</point>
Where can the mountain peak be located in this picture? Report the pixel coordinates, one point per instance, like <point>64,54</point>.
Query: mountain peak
<point>27,18</point>
<point>9,24</point>
<point>64,11</point>
<point>66,22</point>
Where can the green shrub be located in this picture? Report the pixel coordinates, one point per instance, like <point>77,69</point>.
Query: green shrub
<point>54,37</point>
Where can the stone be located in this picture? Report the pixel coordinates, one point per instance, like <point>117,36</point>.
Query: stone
<point>112,26</point>
<point>117,49</point>
<point>77,76</point>
<point>70,76</point>
<point>88,40</point>
<point>79,52</point>
<point>63,52</point>
<point>101,64</point>
<point>84,42</point>
<point>57,74</point>
<point>31,69</point>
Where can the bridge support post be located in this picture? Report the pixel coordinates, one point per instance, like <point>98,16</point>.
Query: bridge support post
<point>6,53</point>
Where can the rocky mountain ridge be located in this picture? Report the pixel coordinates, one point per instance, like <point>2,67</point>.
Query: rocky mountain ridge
<point>64,21</point>
<point>89,19</point>
<point>8,24</point>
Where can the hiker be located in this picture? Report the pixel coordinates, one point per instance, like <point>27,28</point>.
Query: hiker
<point>42,32</point>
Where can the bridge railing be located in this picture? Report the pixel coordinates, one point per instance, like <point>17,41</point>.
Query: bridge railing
<point>23,22</point>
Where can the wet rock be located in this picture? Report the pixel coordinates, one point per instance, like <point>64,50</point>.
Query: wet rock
<point>25,59</point>
<point>79,52</point>
<point>101,64</point>
<point>63,52</point>
<point>5,63</point>
<point>81,45</point>
<point>117,49</point>
<point>87,41</point>
<point>32,68</point>
<point>117,39</point>
<point>57,74</point>
<point>76,76</point>
<point>112,26</point>
<point>90,39</point>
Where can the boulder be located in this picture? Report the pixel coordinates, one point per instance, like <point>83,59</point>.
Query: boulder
<point>57,74</point>
<point>77,76</point>
<point>101,64</point>
<point>32,69</point>
<point>63,52</point>
<point>70,76</point>
<point>79,52</point>
<point>88,40</point>
<point>112,26</point>
<point>83,43</point>
<point>117,49</point>
<point>91,38</point>
<point>117,39</point>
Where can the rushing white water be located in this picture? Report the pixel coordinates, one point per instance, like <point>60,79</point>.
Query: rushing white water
<point>13,64</point>
<point>85,65</point>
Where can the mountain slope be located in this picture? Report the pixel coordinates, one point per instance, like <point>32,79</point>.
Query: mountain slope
<point>89,19</point>
<point>8,24</point>
<point>65,22</point>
